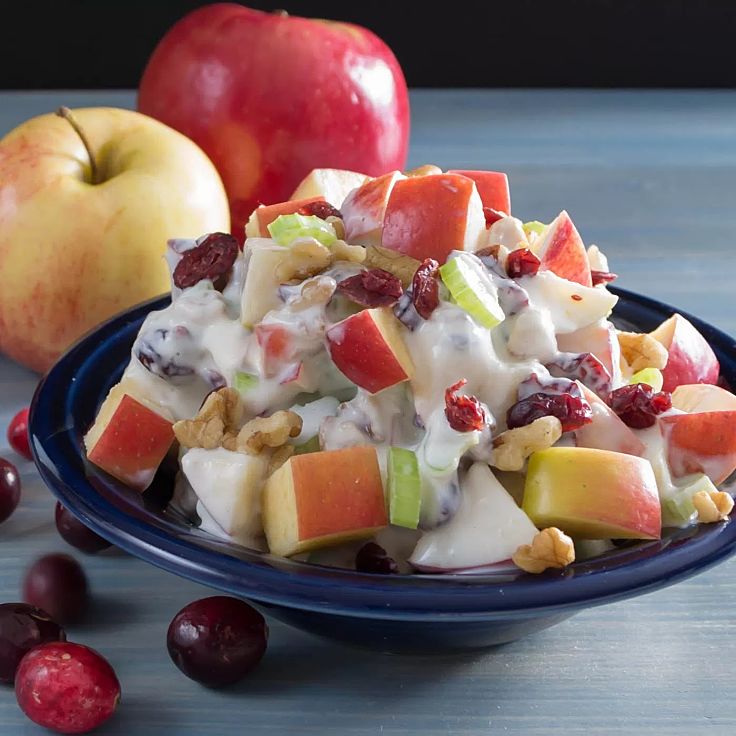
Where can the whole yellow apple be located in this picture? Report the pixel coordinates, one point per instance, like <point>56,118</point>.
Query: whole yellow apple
<point>83,231</point>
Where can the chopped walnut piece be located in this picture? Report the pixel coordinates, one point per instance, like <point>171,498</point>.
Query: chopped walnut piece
<point>425,170</point>
<point>318,290</point>
<point>712,506</point>
<point>342,251</point>
<point>549,548</point>
<point>641,351</point>
<point>220,414</point>
<point>306,257</point>
<point>402,266</point>
<point>512,447</point>
<point>263,432</point>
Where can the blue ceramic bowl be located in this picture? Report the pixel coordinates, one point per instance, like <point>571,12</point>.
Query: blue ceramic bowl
<point>427,613</point>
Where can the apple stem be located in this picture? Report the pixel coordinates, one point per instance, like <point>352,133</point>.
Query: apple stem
<point>281,12</point>
<point>66,113</point>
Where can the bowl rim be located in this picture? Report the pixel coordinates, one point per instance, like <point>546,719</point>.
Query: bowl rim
<point>277,581</point>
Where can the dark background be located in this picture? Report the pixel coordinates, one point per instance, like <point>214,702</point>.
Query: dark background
<point>497,43</point>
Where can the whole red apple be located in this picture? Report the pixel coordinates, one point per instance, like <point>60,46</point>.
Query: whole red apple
<point>269,97</point>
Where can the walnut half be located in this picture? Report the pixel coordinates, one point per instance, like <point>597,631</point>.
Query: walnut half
<point>265,432</point>
<point>641,351</point>
<point>549,548</point>
<point>712,506</point>
<point>512,447</point>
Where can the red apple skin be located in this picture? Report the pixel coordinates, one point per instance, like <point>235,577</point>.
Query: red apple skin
<point>360,351</point>
<point>701,443</point>
<point>267,214</point>
<point>691,359</point>
<point>269,97</point>
<point>426,216</point>
<point>133,444</point>
<point>365,207</point>
<point>563,251</point>
<point>493,187</point>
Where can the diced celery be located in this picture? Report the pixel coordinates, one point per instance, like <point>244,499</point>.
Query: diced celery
<point>678,510</point>
<point>534,226</point>
<point>285,229</point>
<point>244,382</point>
<point>311,445</point>
<point>404,487</point>
<point>473,291</point>
<point>651,376</point>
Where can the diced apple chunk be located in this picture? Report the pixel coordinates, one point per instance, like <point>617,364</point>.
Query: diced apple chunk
<point>493,188</point>
<point>323,498</point>
<point>263,216</point>
<point>697,397</point>
<point>487,528</point>
<point>228,484</point>
<point>332,185</point>
<point>261,287</point>
<point>368,348</point>
<point>430,216</point>
<point>364,209</point>
<point>130,437</point>
<point>594,494</point>
<point>562,251</point>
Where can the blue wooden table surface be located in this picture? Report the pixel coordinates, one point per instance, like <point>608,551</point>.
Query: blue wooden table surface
<point>650,177</point>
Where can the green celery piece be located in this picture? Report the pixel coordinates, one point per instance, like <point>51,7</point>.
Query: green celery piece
<point>285,229</point>
<point>534,226</point>
<point>404,487</point>
<point>471,294</point>
<point>651,376</point>
<point>244,381</point>
<point>311,445</point>
<point>678,509</point>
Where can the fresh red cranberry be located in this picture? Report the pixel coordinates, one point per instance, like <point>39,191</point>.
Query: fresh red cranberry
<point>522,262</point>
<point>602,277</point>
<point>638,405</point>
<point>23,627</point>
<point>77,534</point>
<point>372,288</point>
<point>572,411</point>
<point>464,413</point>
<point>56,583</point>
<point>492,216</point>
<point>18,434</point>
<point>9,489</point>
<point>372,558</point>
<point>320,209</point>
<point>425,288</point>
<point>211,259</point>
<point>217,641</point>
<point>65,687</point>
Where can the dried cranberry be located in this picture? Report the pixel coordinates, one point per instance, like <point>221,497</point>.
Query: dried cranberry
<point>211,259</point>
<point>18,434</point>
<point>372,558</point>
<point>572,411</point>
<point>522,262</point>
<point>320,209</point>
<point>638,405</point>
<point>425,288</point>
<point>492,216</point>
<point>373,288</point>
<point>464,413</point>
<point>602,277</point>
<point>583,367</point>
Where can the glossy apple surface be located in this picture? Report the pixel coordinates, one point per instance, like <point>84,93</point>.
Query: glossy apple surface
<point>592,493</point>
<point>368,348</point>
<point>364,209</point>
<point>73,253</point>
<point>430,216</point>
<point>493,188</point>
<point>269,97</point>
<point>563,252</point>
<point>697,397</point>
<point>323,498</point>
<point>690,358</point>
<point>701,443</point>
<point>129,438</point>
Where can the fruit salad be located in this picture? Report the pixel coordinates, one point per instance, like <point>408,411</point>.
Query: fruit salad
<point>395,374</point>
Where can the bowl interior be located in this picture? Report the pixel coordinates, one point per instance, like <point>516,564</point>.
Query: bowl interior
<point>65,406</point>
